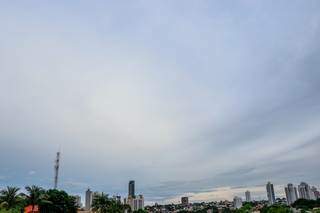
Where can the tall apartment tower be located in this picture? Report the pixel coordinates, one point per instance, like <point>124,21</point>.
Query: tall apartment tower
<point>135,203</point>
<point>291,193</point>
<point>237,202</point>
<point>88,199</point>
<point>131,189</point>
<point>270,193</point>
<point>248,196</point>
<point>315,192</point>
<point>305,191</point>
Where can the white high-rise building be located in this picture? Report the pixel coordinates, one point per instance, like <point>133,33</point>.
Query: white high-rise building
<point>315,192</point>
<point>88,200</point>
<point>135,203</point>
<point>291,193</point>
<point>237,202</point>
<point>248,196</point>
<point>270,193</point>
<point>305,191</point>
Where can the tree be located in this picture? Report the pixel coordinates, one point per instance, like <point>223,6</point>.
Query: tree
<point>101,203</point>
<point>276,209</point>
<point>57,201</point>
<point>306,204</point>
<point>9,198</point>
<point>140,211</point>
<point>34,195</point>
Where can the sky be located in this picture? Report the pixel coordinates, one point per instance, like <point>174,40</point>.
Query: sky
<point>198,98</point>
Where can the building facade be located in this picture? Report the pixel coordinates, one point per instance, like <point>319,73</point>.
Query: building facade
<point>270,193</point>
<point>135,203</point>
<point>291,193</point>
<point>131,190</point>
<point>248,196</point>
<point>185,201</point>
<point>88,201</point>
<point>305,191</point>
<point>315,192</point>
<point>237,202</point>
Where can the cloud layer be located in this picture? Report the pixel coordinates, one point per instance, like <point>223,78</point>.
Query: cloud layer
<point>183,96</point>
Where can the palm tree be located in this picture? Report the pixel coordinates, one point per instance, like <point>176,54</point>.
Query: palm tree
<point>57,201</point>
<point>101,203</point>
<point>9,197</point>
<point>35,195</point>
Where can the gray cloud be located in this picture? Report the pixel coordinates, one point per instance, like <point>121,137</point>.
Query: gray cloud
<point>183,97</point>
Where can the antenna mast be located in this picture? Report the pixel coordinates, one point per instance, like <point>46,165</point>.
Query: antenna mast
<point>56,170</point>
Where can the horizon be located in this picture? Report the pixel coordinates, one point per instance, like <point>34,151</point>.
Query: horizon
<point>186,98</point>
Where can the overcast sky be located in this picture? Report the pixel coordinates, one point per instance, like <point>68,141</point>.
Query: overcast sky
<point>199,98</point>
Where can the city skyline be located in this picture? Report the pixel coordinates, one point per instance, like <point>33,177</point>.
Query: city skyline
<point>198,99</point>
<point>288,192</point>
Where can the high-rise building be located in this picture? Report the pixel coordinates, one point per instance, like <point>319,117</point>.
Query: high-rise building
<point>270,193</point>
<point>316,192</point>
<point>88,200</point>
<point>291,193</point>
<point>237,202</point>
<point>313,193</point>
<point>131,189</point>
<point>305,191</point>
<point>135,203</point>
<point>184,201</point>
<point>248,196</point>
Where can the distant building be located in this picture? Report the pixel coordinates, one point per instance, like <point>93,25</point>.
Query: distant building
<point>291,193</point>
<point>78,200</point>
<point>248,196</point>
<point>270,193</point>
<point>135,203</point>
<point>305,191</point>
<point>185,201</point>
<point>131,189</point>
<point>237,202</point>
<point>316,192</point>
<point>88,201</point>
<point>117,198</point>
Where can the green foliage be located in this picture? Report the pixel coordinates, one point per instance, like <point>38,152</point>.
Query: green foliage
<point>57,201</point>
<point>306,204</point>
<point>51,201</point>
<point>247,207</point>
<point>140,211</point>
<point>276,209</point>
<point>103,204</point>
<point>35,195</point>
<point>10,199</point>
<point>16,210</point>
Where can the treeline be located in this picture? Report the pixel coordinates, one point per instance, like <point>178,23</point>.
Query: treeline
<point>49,201</point>
<point>54,201</point>
<point>306,204</point>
